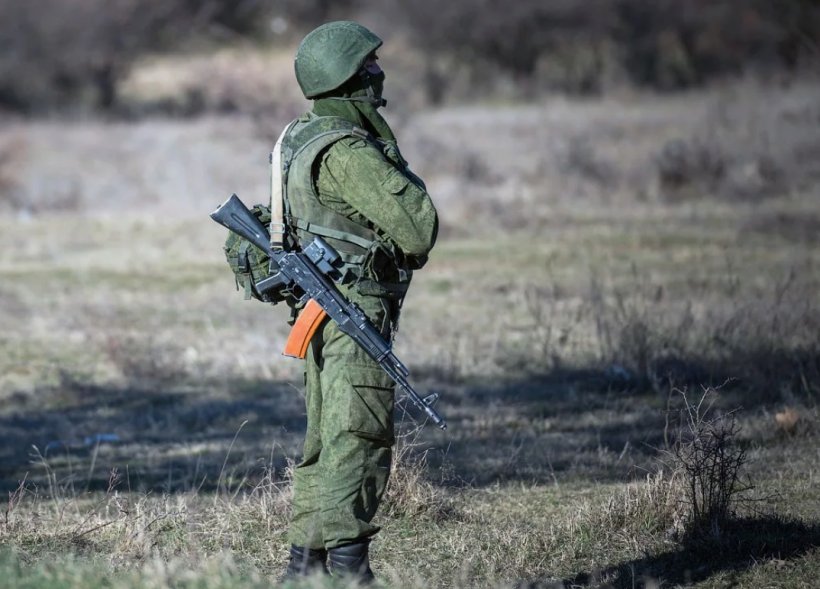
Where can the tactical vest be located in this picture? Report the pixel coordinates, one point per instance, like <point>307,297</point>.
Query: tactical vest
<point>360,247</point>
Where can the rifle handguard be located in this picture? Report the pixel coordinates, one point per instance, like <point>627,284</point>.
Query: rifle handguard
<point>306,325</point>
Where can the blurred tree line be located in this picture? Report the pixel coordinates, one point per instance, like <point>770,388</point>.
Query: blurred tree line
<point>60,52</point>
<point>662,44</point>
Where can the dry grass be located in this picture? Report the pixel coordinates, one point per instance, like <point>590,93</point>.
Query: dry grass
<point>567,296</point>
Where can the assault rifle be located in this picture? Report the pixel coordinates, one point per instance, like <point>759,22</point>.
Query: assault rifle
<point>307,276</point>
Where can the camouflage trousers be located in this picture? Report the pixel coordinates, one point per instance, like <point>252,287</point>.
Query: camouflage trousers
<point>345,465</point>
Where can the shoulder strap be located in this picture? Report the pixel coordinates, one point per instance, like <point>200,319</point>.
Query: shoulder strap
<point>277,205</point>
<point>305,214</point>
<point>310,137</point>
<point>315,128</point>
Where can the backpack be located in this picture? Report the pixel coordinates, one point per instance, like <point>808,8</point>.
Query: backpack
<point>248,263</point>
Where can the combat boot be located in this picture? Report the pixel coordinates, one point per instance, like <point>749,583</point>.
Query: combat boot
<point>352,561</point>
<point>305,561</point>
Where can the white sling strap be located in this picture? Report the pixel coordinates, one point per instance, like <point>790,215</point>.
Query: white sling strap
<point>277,203</point>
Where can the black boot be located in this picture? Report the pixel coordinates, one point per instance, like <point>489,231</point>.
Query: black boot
<point>305,561</point>
<point>352,561</point>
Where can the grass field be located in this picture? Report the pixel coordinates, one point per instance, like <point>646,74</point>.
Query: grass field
<point>597,260</point>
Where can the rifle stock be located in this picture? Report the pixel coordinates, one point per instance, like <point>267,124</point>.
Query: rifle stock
<point>234,215</point>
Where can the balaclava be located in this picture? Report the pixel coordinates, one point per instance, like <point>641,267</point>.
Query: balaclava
<point>358,101</point>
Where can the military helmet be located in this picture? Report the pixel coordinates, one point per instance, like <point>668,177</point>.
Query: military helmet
<point>331,54</point>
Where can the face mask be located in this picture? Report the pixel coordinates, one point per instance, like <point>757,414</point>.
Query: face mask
<point>372,85</point>
<point>375,83</point>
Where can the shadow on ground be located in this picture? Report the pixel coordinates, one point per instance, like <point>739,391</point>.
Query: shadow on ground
<point>172,437</point>
<point>582,424</point>
<point>545,428</point>
<point>742,546</point>
<point>158,438</point>
<point>603,425</point>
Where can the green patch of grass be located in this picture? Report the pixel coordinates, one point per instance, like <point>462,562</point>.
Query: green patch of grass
<point>73,572</point>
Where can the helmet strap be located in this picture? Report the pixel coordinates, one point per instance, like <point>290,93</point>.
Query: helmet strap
<point>370,99</point>
<point>369,83</point>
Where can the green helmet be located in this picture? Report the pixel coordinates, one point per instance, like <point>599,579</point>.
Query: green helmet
<point>331,54</point>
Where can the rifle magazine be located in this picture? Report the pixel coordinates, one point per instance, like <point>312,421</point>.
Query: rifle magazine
<point>306,325</point>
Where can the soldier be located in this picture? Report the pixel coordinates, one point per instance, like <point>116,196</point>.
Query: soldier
<point>346,181</point>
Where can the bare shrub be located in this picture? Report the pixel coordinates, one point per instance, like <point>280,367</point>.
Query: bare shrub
<point>689,168</point>
<point>12,194</point>
<point>710,460</point>
<point>145,362</point>
<point>647,345</point>
<point>581,160</point>
<point>547,333</point>
<point>764,340</point>
<point>698,488</point>
<point>769,340</point>
<point>794,227</point>
<point>699,167</point>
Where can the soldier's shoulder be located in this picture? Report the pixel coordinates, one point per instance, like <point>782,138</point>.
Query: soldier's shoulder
<point>355,150</point>
<point>355,142</point>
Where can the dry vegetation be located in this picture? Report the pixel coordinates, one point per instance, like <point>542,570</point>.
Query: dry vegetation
<point>597,257</point>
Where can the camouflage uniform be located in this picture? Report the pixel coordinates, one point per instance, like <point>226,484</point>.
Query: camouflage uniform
<point>359,178</point>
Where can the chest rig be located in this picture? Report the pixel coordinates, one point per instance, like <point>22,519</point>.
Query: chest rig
<point>366,258</point>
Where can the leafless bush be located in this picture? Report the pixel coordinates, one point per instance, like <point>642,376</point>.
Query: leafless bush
<point>711,462</point>
<point>700,168</point>
<point>699,486</point>
<point>796,228</point>
<point>686,167</point>
<point>643,344</point>
<point>145,362</point>
<point>11,191</point>
<point>764,341</point>
<point>544,338</point>
<point>581,160</point>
